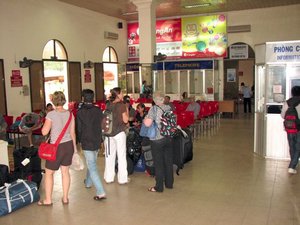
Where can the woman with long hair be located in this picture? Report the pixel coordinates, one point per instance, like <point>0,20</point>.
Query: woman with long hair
<point>115,143</point>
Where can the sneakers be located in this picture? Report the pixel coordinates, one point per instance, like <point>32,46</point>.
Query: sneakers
<point>292,171</point>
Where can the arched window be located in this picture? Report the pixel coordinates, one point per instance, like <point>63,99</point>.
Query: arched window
<point>110,67</point>
<point>55,69</point>
<point>110,55</point>
<point>54,50</point>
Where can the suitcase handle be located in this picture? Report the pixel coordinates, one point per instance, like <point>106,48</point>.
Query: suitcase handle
<point>8,197</point>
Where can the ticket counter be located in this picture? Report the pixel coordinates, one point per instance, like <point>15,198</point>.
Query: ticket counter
<point>277,71</point>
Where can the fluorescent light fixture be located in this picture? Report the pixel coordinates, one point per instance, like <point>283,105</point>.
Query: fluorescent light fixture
<point>196,5</point>
<point>129,13</point>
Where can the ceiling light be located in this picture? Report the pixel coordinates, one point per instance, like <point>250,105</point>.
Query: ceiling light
<point>196,5</point>
<point>129,13</point>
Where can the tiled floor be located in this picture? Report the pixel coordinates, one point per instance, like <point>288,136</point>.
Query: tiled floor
<point>225,184</point>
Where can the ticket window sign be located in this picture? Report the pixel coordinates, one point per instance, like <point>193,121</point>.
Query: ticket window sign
<point>283,52</point>
<point>238,52</point>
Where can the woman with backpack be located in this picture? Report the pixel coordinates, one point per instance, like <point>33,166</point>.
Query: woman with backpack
<point>161,146</point>
<point>115,142</point>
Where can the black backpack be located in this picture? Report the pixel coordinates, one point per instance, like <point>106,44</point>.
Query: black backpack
<point>291,121</point>
<point>107,122</point>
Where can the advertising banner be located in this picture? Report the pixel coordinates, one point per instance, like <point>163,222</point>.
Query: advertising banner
<point>184,38</point>
<point>204,36</point>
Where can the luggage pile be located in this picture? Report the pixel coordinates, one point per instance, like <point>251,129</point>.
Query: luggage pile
<point>20,188</point>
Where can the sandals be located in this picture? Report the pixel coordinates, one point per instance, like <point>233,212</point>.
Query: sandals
<point>99,198</point>
<point>152,189</point>
<point>42,203</point>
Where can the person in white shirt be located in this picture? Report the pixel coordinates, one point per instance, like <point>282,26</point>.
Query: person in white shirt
<point>246,91</point>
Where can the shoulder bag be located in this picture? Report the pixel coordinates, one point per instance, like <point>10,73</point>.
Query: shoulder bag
<point>48,151</point>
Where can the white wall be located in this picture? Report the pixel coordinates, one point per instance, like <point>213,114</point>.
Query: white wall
<point>27,25</point>
<point>268,24</point>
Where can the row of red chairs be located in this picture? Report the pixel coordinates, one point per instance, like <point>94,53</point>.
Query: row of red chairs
<point>184,118</point>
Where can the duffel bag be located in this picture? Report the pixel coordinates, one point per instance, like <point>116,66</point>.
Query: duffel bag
<point>17,195</point>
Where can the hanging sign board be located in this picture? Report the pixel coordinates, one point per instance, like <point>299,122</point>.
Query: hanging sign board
<point>238,52</point>
<point>16,79</point>
<point>283,51</point>
<point>184,38</point>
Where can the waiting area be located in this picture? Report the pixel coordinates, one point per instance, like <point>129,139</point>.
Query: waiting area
<point>225,184</point>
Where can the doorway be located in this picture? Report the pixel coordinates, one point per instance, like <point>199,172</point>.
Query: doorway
<point>3,107</point>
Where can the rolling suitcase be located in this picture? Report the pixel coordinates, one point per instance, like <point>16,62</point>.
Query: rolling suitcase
<point>4,174</point>
<point>147,153</point>
<point>183,148</point>
<point>16,195</point>
<point>27,165</point>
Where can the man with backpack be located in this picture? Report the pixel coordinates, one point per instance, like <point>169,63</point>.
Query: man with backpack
<point>290,113</point>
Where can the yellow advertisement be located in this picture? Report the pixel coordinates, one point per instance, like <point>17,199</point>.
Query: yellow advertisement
<point>204,36</point>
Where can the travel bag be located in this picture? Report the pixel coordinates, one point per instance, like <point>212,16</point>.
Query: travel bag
<point>182,148</point>
<point>27,165</point>
<point>16,195</point>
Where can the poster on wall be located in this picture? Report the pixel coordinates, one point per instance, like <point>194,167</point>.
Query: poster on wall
<point>204,36</point>
<point>231,75</point>
<point>87,76</point>
<point>184,38</point>
<point>16,79</point>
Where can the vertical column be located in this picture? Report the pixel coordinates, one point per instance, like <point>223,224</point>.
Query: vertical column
<point>147,33</point>
<point>147,24</point>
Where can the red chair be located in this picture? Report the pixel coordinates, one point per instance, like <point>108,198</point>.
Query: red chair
<point>144,100</point>
<point>9,120</point>
<point>101,105</point>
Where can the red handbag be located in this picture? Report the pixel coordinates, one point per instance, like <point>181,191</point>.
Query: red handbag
<point>48,151</point>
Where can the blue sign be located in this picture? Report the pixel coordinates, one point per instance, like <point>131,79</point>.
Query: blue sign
<point>184,65</point>
<point>132,67</point>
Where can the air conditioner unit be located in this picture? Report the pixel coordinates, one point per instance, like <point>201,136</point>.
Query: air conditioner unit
<point>239,29</point>
<point>111,35</point>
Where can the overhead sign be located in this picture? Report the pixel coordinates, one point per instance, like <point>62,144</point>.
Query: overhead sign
<point>184,38</point>
<point>184,65</point>
<point>283,52</point>
<point>238,52</point>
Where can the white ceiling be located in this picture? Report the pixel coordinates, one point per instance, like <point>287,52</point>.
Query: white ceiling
<point>172,8</point>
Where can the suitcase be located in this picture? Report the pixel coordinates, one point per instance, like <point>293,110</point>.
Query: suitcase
<point>4,174</point>
<point>27,165</point>
<point>147,153</point>
<point>16,195</point>
<point>183,148</point>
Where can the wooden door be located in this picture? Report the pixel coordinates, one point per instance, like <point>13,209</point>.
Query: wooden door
<point>74,82</point>
<point>3,106</point>
<point>37,88</point>
<point>99,81</point>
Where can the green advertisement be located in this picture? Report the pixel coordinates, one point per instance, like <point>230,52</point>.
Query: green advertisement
<point>204,36</point>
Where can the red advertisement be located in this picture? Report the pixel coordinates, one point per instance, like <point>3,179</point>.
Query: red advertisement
<point>168,30</point>
<point>133,33</point>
